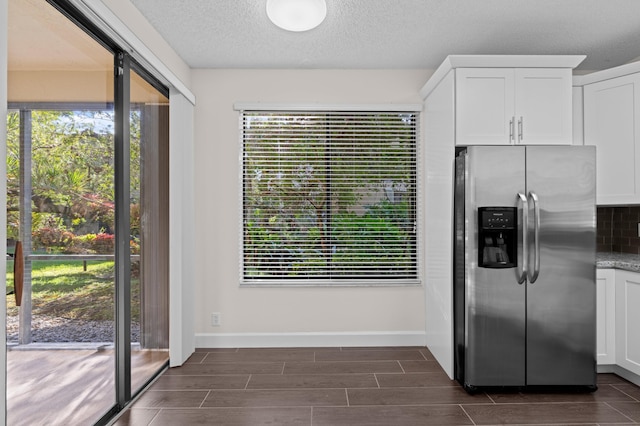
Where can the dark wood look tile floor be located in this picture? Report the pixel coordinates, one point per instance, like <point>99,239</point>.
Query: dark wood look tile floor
<point>357,386</point>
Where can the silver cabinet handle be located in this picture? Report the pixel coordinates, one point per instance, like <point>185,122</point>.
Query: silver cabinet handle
<point>511,130</point>
<point>520,129</point>
<point>536,237</point>
<point>522,268</point>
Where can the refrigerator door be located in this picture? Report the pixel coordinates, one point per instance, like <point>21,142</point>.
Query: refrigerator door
<point>494,304</point>
<point>561,329</point>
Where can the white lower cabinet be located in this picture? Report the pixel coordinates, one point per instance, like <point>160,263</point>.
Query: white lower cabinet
<point>628,320</point>
<point>606,316</point>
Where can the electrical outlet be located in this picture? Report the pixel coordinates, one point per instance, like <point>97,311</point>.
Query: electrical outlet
<point>215,319</point>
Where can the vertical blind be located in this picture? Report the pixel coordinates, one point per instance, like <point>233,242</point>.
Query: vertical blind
<point>329,196</point>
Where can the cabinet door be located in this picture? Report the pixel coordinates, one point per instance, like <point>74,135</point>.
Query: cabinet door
<point>543,110</point>
<point>611,123</point>
<point>484,106</point>
<point>606,317</point>
<point>628,320</point>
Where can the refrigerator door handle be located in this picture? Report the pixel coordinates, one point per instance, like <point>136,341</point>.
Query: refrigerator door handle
<point>536,237</point>
<point>522,272</point>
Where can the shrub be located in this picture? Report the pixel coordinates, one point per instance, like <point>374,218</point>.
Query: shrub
<point>48,238</point>
<point>103,243</point>
<point>81,244</point>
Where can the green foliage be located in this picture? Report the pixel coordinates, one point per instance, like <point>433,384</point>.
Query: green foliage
<point>378,242</point>
<point>379,237</point>
<point>72,171</point>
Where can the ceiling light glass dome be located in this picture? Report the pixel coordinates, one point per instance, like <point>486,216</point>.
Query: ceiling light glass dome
<point>297,15</point>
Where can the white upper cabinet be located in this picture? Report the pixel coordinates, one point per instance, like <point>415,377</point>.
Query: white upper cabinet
<point>544,106</point>
<point>484,105</point>
<point>506,106</point>
<point>504,99</point>
<point>612,123</point>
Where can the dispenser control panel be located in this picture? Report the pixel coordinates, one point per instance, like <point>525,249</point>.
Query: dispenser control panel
<point>492,218</point>
<point>497,237</point>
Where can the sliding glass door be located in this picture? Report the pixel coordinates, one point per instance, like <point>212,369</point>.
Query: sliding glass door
<point>87,182</point>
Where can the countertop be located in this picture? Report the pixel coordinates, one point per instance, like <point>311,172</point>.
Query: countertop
<point>610,260</point>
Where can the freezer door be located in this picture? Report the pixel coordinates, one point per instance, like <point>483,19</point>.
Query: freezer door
<point>494,301</point>
<point>561,329</point>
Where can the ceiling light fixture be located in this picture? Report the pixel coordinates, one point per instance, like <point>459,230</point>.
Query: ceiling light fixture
<point>296,15</point>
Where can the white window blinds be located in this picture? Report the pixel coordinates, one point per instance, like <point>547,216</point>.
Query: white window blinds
<point>329,196</point>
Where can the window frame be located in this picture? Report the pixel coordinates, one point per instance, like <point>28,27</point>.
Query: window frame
<point>365,281</point>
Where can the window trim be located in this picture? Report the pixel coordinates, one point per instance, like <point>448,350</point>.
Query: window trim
<point>311,107</point>
<point>333,282</point>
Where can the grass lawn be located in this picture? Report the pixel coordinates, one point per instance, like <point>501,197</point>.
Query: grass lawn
<point>64,289</point>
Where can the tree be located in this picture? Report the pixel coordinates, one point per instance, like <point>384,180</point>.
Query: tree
<point>72,169</point>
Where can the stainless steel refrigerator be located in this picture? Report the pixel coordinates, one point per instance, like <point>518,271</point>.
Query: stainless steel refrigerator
<point>525,275</point>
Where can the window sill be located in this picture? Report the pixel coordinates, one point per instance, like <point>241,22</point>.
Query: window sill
<point>331,284</point>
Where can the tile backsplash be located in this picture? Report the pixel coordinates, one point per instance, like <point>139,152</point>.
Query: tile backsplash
<point>618,229</point>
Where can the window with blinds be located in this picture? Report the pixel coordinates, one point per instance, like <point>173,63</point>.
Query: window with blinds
<point>329,197</point>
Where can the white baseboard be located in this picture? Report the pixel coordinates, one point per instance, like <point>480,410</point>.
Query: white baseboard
<point>622,372</point>
<point>313,339</point>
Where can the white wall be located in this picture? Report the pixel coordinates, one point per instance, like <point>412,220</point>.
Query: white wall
<point>181,230</point>
<point>3,203</point>
<point>283,316</point>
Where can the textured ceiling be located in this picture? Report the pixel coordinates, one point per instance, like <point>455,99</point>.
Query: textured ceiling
<point>397,33</point>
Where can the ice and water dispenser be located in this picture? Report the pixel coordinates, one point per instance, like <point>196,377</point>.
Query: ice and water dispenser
<point>497,237</point>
